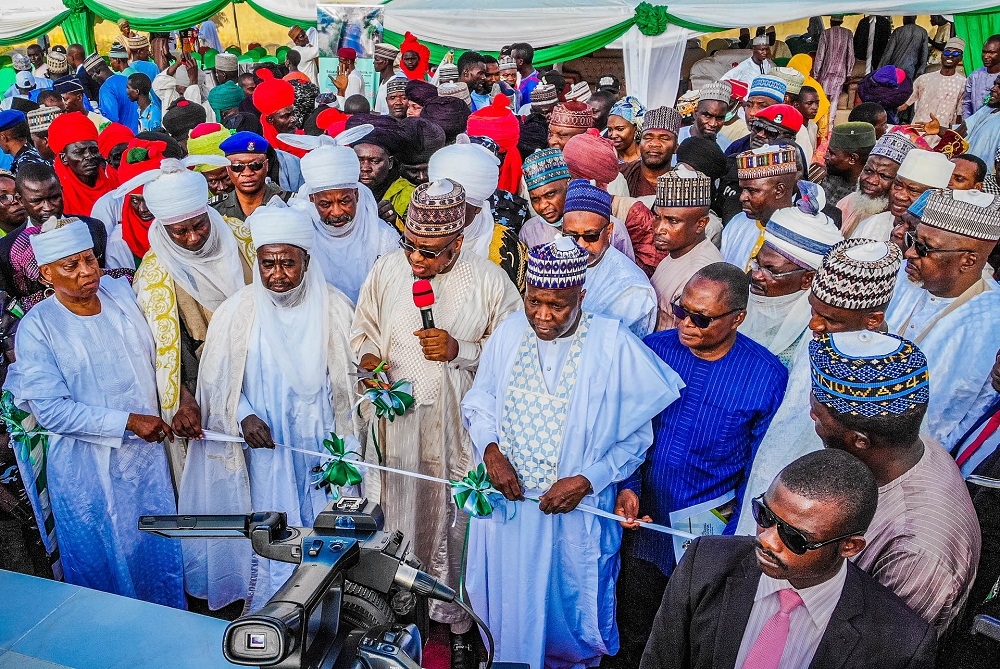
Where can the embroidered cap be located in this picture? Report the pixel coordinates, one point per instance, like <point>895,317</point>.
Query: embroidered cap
<point>543,167</point>
<point>682,187</point>
<point>572,114</point>
<point>971,213</point>
<point>557,265</point>
<point>893,145</point>
<point>662,118</point>
<point>437,209</point>
<point>719,91</point>
<point>40,119</point>
<point>769,87</point>
<point>767,161</point>
<point>794,80</point>
<point>881,375</point>
<point>858,274</point>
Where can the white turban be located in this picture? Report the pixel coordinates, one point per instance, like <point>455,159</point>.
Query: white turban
<point>174,193</point>
<point>329,167</point>
<point>277,223</point>
<point>928,168</point>
<point>803,237</point>
<point>54,243</point>
<point>472,165</point>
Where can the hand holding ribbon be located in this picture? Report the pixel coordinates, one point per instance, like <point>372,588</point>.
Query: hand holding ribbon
<point>388,401</point>
<point>472,494</point>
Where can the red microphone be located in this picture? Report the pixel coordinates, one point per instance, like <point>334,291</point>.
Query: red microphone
<point>423,297</point>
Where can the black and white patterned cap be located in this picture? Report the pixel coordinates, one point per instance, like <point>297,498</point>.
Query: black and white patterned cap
<point>858,274</point>
<point>971,213</point>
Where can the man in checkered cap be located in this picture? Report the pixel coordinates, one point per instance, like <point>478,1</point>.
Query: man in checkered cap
<point>563,447</point>
<point>657,144</point>
<point>710,114</point>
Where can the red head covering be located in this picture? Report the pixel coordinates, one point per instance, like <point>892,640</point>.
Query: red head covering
<point>332,121</point>
<point>78,197</point>
<point>410,43</point>
<point>347,53</point>
<point>271,95</point>
<point>590,156</point>
<point>140,156</point>
<point>740,88</point>
<point>111,136</point>
<point>786,116</point>
<point>499,123</point>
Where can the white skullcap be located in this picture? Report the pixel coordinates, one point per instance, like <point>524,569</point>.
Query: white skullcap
<point>473,166</point>
<point>801,237</point>
<point>54,243</point>
<point>277,223</point>
<point>173,193</point>
<point>926,167</point>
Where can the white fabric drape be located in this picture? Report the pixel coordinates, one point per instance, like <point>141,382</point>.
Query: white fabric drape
<point>653,64</point>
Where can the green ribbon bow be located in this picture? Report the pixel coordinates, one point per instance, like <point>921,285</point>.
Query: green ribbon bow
<point>337,471</point>
<point>24,430</point>
<point>388,403</point>
<point>651,19</point>
<point>472,493</point>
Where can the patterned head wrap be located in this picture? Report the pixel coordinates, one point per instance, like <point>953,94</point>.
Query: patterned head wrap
<point>630,109</point>
<point>868,382</point>
<point>543,167</point>
<point>582,196</point>
<point>858,274</point>
<point>437,209</point>
<point>557,265</point>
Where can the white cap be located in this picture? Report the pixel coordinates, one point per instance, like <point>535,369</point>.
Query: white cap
<point>330,167</point>
<point>25,80</point>
<point>927,168</point>
<point>54,243</point>
<point>473,166</point>
<point>277,223</point>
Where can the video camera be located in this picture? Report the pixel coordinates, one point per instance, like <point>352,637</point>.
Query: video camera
<point>345,558</point>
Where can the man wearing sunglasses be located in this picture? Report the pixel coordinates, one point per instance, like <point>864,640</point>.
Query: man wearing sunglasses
<point>949,308</point>
<point>924,541</point>
<point>790,598</point>
<point>472,296</point>
<point>702,444</point>
<point>795,241</point>
<point>938,95</point>
<point>540,439</point>
<point>919,171</point>
<point>247,154</point>
<point>615,287</point>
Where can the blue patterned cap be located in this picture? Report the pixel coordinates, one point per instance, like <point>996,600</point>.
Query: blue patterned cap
<point>544,166</point>
<point>557,265</point>
<point>881,375</point>
<point>768,86</point>
<point>584,196</point>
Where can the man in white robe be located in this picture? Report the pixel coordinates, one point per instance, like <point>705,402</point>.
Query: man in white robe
<point>759,63</point>
<point>849,293</point>
<point>681,208</point>
<point>478,171</point>
<point>920,171</point>
<point>795,241</point>
<point>253,382</point>
<point>560,411</point>
<point>472,297</point>
<point>767,178</point>
<point>350,236</point>
<point>546,178</point>
<point>947,303</point>
<point>85,371</point>
<point>874,183</point>
<point>615,286</point>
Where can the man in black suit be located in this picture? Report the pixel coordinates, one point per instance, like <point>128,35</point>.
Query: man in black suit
<point>789,598</point>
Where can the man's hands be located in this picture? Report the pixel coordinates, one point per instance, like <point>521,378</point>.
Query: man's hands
<point>387,212</point>
<point>256,432</point>
<point>369,362</point>
<point>187,420</point>
<point>565,494</point>
<point>502,474</point>
<point>627,505</point>
<point>438,345</point>
<point>149,428</point>
<point>340,81</point>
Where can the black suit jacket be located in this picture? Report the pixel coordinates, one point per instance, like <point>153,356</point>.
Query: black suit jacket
<point>707,604</point>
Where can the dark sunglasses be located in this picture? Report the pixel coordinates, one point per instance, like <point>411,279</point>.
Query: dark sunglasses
<point>255,166</point>
<point>951,53</point>
<point>792,537</point>
<point>700,321</point>
<point>923,250</point>
<point>589,237</point>
<point>761,127</point>
<point>405,244</point>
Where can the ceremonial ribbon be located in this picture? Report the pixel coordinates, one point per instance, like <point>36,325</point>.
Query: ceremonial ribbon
<point>388,401</point>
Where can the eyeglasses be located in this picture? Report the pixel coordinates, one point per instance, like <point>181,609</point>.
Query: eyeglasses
<point>7,199</point>
<point>589,237</point>
<point>405,244</point>
<point>923,250</point>
<point>255,166</point>
<point>700,321</point>
<point>792,537</point>
<point>756,267</point>
<point>951,53</point>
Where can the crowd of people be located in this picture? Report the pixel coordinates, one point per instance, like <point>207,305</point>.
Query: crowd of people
<point>741,315</point>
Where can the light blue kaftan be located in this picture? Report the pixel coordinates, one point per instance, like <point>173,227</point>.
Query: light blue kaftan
<point>81,376</point>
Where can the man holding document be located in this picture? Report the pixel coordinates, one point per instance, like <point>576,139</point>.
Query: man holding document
<point>703,444</point>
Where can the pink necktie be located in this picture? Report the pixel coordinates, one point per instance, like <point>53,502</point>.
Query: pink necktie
<point>770,643</point>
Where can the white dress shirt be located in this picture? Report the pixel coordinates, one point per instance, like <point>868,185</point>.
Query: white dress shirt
<point>808,622</point>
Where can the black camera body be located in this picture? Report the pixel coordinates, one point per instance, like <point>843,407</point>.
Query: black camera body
<point>334,611</point>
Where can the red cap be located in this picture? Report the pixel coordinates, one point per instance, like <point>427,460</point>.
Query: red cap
<point>204,129</point>
<point>423,294</point>
<point>332,121</point>
<point>272,94</point>
<point>347,53</point>
<point>69,129</point>
<point>740,89</point>
<point>785,116</point>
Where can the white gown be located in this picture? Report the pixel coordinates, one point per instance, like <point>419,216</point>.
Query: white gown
<point>81,377</point>
<point>617,288</point>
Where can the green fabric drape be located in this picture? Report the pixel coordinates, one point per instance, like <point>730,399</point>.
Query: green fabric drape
<point>975,28</point>
<point>79,28</point>
<point>182,19</point>
<point>278,18</point>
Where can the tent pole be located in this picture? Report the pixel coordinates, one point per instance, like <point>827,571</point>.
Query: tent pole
<point>236,24</point>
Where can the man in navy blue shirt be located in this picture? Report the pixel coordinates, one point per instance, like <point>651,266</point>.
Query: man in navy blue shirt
<point>703,443</point>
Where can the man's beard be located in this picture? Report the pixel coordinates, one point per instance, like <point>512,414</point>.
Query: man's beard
<point>484,88</point>
<point>867,206</point>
